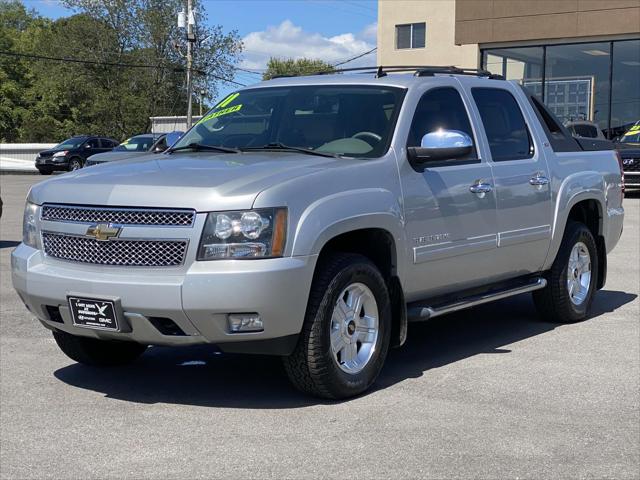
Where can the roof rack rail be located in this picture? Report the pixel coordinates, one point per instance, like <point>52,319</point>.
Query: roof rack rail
<point>431,71</point>
<point>418,70</point>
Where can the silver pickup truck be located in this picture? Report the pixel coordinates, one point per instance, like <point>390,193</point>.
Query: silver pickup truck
<point>314,217</point>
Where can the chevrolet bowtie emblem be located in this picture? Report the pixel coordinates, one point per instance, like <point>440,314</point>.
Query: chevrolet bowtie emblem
<point>103,231</point>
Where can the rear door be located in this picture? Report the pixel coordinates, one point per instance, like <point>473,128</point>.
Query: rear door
<point>451,230</point>
<point>106,145</point>
<point>522,183</point>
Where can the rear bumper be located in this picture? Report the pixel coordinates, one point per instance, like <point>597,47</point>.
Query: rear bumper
<point>197,301</point>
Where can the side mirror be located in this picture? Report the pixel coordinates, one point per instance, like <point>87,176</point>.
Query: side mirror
<point>173,137</point>
<point>87,145</point>
<point>441,145</point>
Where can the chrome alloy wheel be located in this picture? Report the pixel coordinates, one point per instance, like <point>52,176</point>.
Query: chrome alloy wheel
<point>354,328</point>
<point>579,273</point>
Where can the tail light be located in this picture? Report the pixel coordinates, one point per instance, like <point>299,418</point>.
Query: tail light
<point>621,170</point>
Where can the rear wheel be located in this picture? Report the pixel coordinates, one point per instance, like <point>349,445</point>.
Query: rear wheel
<point>572,278</point>
<point>98,353</point>
<point>345,336</point>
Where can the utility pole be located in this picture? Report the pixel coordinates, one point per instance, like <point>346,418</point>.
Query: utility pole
<point>191,38</point>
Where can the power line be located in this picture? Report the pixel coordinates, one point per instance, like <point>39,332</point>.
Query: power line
<point>111,64</point>
<point>356,57</point>
<point>356,4</point>
<point>255,72</point>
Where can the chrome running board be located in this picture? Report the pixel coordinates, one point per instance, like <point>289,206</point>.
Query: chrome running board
<point>419,313</point>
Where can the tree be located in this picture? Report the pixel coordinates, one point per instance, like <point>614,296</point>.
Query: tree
<point>133,68</point>
<point>149,28</point>
<point>294,67</point>
<point>15,77</point>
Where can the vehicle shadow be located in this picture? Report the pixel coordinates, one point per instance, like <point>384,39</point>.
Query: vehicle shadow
<point>8,244</point>
<point>202,376</point>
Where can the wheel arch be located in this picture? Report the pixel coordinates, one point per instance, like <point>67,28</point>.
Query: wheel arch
<point>588,208</point>
<point>378,245</point>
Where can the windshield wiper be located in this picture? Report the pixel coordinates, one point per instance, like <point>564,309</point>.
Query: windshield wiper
<point>199,147</point>
<point>282,147</point>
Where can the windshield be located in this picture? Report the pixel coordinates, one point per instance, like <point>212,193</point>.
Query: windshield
<point>135,144</point>
<point>632,136</point>
<point>355,121</point>
<point>69,144</point>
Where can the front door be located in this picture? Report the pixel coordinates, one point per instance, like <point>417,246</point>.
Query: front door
<point>523,192</point>
<point>451,230</point>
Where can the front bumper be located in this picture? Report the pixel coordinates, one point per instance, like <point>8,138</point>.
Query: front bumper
<point>197,300</point>
<point>632,179</point>
<point>49,163</point>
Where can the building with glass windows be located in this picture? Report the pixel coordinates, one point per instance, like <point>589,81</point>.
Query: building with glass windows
<point>582,57</point>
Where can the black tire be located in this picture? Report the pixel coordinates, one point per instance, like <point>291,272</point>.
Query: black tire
<point>75,164</point>
<point>553,302</point>
<point>98,353</point>
<point>311,367</point>
<point>45,171</point>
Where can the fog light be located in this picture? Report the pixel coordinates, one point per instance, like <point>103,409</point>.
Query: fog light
<point>245,322</point>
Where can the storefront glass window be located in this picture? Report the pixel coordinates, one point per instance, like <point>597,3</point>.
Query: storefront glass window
<point>625,99</point>
<point>521,64</point>
<point>577,82</point>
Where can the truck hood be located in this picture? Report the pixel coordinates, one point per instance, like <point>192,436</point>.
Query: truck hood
<point>202,180</point>
<point>113,156</point>
<point>628,150</point>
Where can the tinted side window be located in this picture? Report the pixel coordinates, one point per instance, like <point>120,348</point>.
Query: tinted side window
<point>440,108</point>
<point>507,132</point>
<point>587,131</point>
<point>93,143</point>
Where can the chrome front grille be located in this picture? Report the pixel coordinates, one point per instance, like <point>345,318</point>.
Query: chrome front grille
<point>131,253</point>
<point>119,216</point>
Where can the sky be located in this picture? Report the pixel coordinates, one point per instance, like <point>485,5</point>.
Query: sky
<point>332,30</point>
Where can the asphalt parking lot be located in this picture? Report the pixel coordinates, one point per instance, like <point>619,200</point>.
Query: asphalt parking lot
<point>491,392</point>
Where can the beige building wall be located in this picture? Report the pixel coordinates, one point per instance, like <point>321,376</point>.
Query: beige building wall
<point>491,21</point>
<point>440,49</point>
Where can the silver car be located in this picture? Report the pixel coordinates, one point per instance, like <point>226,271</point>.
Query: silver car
<point>314,217</point>
<point>135,146</point>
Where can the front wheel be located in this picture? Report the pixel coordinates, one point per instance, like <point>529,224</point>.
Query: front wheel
<point>98,353</point>
<point>75,164</point>
<point>572,278</point>
<point>345,336</point>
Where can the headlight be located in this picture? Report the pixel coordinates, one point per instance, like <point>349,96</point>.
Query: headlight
<point>249,234</point>
<point>29,228</point>
<point>60,154</point>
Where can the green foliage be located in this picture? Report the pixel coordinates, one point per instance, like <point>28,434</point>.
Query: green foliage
<point>44,100</point>
<point>291,67</point>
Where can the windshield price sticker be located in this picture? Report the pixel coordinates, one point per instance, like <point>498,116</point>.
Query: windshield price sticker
<point>220,113</point>
<point>633,130</point>
<point>224,105</point>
